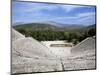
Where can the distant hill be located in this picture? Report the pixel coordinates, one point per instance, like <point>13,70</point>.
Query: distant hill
<point>44,31</point>
<point>91,26</point>
<point>52,26</point>
<point>36,26</point>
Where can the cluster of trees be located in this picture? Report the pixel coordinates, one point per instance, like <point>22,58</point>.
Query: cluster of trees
<point>43,35</point>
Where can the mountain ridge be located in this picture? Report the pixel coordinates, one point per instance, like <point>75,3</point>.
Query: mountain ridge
<point>51,26</point>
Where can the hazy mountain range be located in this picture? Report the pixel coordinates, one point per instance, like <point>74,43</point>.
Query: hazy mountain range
<point>50,25</point>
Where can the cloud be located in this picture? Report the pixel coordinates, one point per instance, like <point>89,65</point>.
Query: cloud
<point>36,12</point>
<point>79,15</point>
<point>86,14</point>
<point>69,8</point>
<point>81,18</point>
<point>87,18</point>
<point>32,7</point>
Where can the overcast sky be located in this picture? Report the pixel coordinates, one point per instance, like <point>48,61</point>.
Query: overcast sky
<point>27,12</point>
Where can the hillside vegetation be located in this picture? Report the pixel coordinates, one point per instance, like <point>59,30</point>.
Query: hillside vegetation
<point>43,31</point>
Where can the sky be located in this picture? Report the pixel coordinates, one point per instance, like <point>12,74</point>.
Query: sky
<point>29,12</point>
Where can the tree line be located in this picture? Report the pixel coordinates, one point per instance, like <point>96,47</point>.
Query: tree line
<point>50,35</point>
